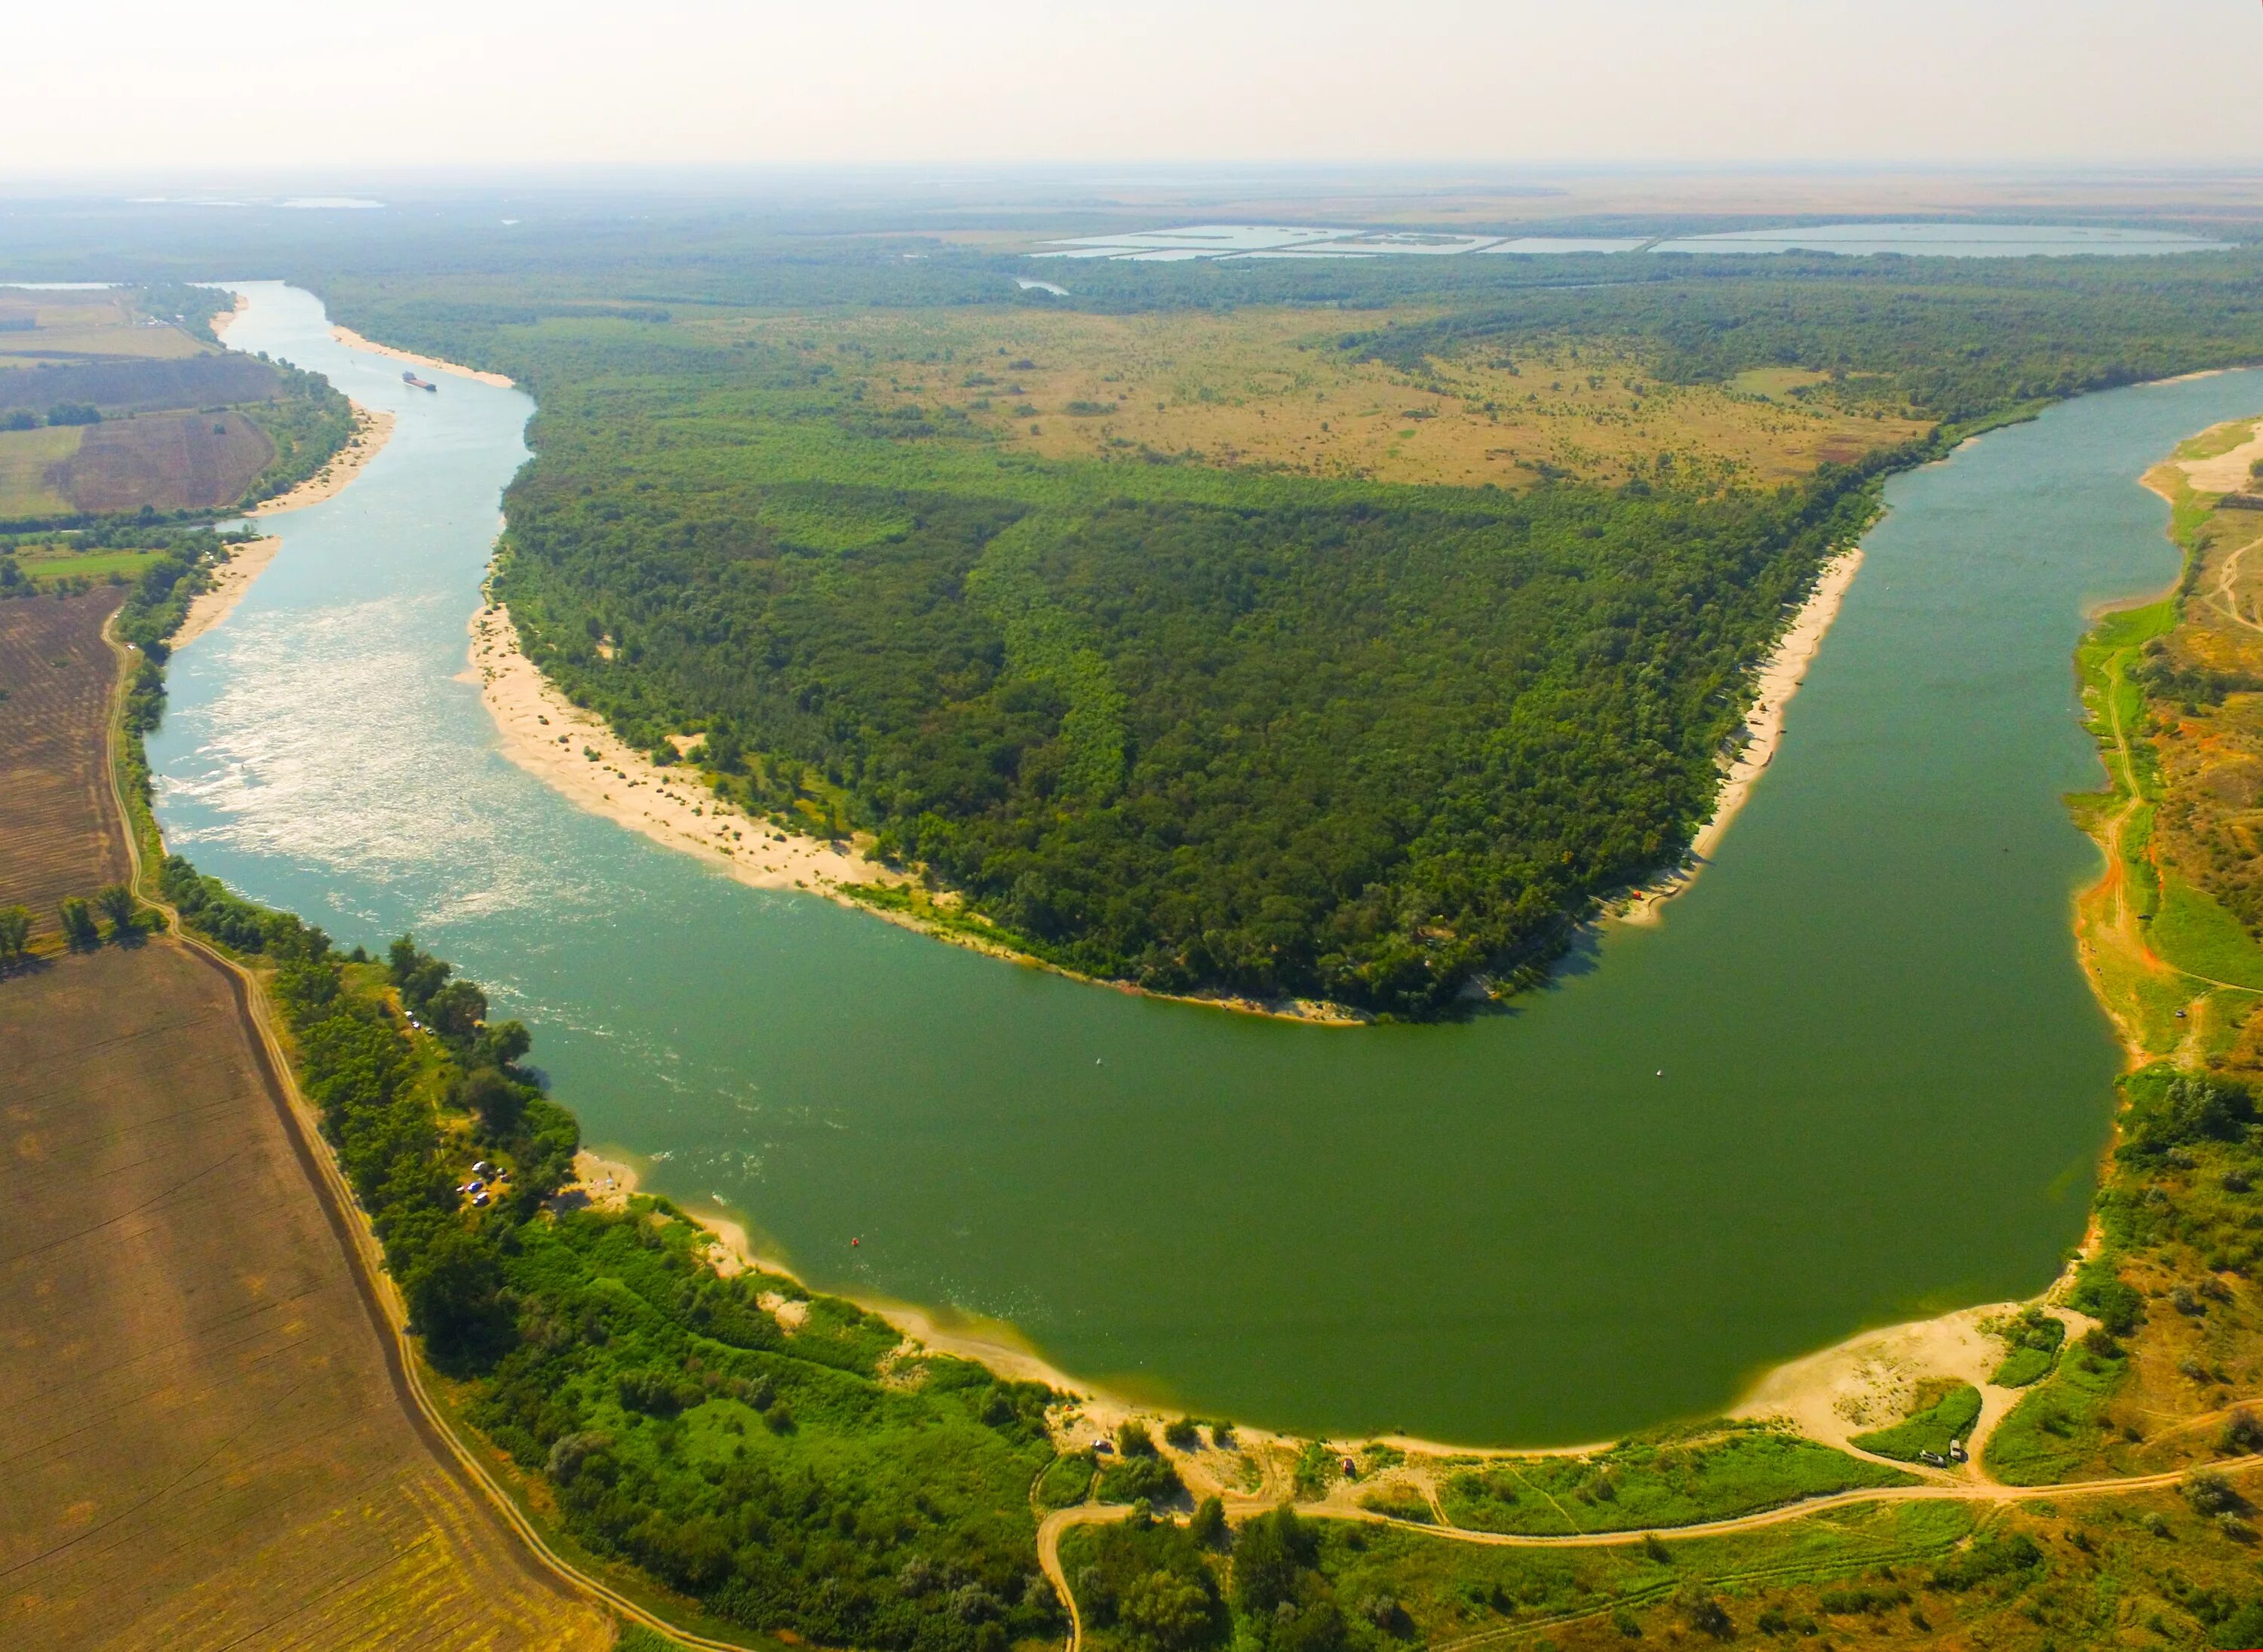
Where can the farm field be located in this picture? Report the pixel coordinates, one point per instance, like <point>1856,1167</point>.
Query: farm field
<point>204,1445</point>
<point>59,831</point>
<point>42,326</point>
<point>171,461</point>
<point>30,466</point>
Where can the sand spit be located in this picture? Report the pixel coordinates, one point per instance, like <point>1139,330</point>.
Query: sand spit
<point>353,340</point>
<point>1779,680</point>
<point>577,754</point>
<point>229,581</point>
<point>2227,473</point>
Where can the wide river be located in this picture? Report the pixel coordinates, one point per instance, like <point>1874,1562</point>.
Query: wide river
<point>1856,1075</point>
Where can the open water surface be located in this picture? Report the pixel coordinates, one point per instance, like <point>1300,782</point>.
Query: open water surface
<point>1855,1076</point>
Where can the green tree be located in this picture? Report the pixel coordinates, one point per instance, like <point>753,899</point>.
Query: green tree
<point>15,933</point>
<point>456,1011</point>
<point>498,1103</point>
<point>1266,1559</point>
<point>116,902</point>
<point>452,1294</point>
<point>78,922</point>
<point>1166,1611</point>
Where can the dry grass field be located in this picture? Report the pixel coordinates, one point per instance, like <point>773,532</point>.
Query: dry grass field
<point>204,1441</point>
<point>1268,387</point>
<point>59,828</point>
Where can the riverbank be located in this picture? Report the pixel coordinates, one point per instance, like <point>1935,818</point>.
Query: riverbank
<point>353,340</point>
<point>577,754</point>
<point>229,582</point>
<point>372,429</point>
<point>1777,681</point>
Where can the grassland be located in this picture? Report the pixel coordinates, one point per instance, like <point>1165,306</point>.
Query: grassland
<point>1270,389</point>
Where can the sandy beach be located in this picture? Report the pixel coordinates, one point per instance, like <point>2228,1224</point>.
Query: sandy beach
<point>577,753</point>
<point>353,340</point>
<point>229,581</point>
<point>372,431</point>
<point>1778,681</point>
<point>1869,1381</point>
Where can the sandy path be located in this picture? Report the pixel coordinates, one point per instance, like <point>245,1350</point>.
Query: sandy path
<point>353,340</point>
<point>552,738</point>
<point>1779,679</point>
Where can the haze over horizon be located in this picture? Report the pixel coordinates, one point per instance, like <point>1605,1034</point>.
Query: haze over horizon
<point>496,83</point>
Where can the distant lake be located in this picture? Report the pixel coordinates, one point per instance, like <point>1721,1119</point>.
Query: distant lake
<point>1950,241</point>
<point>1919,240</point>
<point>1856,1075</point>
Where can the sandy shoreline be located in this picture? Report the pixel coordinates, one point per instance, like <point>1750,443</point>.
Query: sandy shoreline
<point>549,737</point>
<point>372,431</point>
<point>1778,680</point>
<point>353,340</point>
<point>229,581</point>
<point>553,739</point>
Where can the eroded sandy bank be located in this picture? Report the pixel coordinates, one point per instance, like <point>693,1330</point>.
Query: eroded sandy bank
<point>1778,681</point>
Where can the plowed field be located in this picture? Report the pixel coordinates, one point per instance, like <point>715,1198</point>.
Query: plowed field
<point>203,1442</point>
<point>59,828</point>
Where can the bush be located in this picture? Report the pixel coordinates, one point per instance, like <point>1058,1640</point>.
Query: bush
<point>1138,1477</point>
<point>78,922</point>
<point>1133,1440</point>
<point>1180,1431</point>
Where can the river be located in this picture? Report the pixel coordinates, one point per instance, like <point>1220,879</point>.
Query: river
<point>1855,1075</point>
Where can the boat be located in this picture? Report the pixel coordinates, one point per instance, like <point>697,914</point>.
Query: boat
<point>415,383</point>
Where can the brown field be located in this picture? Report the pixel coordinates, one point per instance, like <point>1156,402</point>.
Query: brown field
<point>59,828</point>
<point>172,460</point>
<point>204,1441</point>
<point>100,325</point>
<point>1269,387</point>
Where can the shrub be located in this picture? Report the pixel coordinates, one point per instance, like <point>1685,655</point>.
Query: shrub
<point>1182,1432</point>
<point>1133,1440</point>
<point>78,922</point>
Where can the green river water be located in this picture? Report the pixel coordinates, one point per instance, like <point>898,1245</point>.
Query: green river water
<point>1855,1076</point>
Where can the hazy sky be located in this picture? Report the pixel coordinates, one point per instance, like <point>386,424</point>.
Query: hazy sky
<point>262,85</point>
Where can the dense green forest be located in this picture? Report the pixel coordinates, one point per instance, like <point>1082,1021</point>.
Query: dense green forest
<point>1208,728</point>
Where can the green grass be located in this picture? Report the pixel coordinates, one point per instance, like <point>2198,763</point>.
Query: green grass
<point>1398,1502</point>
<point>90,565</point>
<point>2054,1430</point>
<point>1065,1481</point>
<point>2195,932</point>
<point>1951,1417</point>
<point>1676,1479</point>
<point>2024,1366</point>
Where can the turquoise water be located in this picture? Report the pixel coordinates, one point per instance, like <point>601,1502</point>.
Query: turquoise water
<point>1856,1074</point>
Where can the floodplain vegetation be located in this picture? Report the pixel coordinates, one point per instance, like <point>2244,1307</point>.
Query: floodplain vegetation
<point>1274,633</point>
<point>120,401</point>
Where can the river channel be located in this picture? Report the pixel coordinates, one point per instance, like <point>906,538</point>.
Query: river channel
<point>1855,1076</point>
